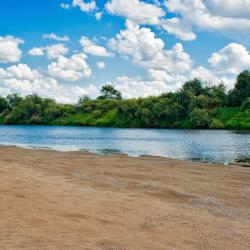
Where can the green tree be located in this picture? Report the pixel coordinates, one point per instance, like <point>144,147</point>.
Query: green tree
<point>200,118</point>
<point>246,104</point>
<point>201,101</point>
<point>13,100</point>
<point>83,99</point>
<point>241,90</point>
<point>194,86</point>
<point>3,104</point>
<point>183,98</point>
<point>108,91</point>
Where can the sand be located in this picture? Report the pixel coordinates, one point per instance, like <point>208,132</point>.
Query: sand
<point>78,200</point>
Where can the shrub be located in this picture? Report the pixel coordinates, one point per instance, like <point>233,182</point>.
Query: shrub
<point>200,118</point>
<point>246,104</point>
<point>216,124</point>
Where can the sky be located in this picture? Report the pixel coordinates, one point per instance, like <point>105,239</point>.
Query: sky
<point>64,49</point>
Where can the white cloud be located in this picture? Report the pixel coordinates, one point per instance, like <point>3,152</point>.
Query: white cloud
<point>36,51</point>
<point>52,51</point>
<point>90,47</point>
<point>217,15</point>
<point>56,37</point>
<point>22,71</point>
<point>3,73</point>
<point>137,87</point>
<point>148,52</point>
<point>168,69</point>
<point>85,7</point>
<point>232,59</point>
<point>70,69</point>
<point>57,50</point>
<point>65,6</point>
<point>101,65</point>
<point>136,42</point>
<point>135,10</point>
<point>9,50</point>
<point>180,29</point>
<point>25,81</point>
<point>98,15</point>
<point>229,8</point>
<point>19,71</point>
<point>202,73</point>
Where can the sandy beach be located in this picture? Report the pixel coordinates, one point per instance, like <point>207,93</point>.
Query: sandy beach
<point>79,200</point>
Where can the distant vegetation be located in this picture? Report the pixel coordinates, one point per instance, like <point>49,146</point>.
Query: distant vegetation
<point>193,106</point>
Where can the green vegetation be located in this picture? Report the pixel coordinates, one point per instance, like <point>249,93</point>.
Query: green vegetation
<point>193,106</point>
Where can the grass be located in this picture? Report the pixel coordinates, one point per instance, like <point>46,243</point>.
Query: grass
<point>233,118</point>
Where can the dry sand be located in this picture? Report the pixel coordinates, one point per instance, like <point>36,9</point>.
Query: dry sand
<point>77,200</point>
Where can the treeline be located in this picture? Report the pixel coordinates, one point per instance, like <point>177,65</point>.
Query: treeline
<point>195,105</point>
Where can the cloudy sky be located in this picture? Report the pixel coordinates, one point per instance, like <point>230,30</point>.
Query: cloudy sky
<point>63,49</point>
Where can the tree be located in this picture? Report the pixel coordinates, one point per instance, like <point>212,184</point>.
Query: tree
<point>13,100</point>
<point>194,86</point>
<point>83,99</point>
<point>184,98</point>
<point>108,91</point>
<point>3,104</point>
<point>200,118</point>
<point>246,104</point>
<point>241,90</point>
<point>201,101</point>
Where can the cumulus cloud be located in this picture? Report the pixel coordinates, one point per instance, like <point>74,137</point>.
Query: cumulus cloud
<point>70,69</point>
<point>186,16</point>
<point>52,51</point>
<point>101,65</point>
<point>232,59</point>
<point>56,37</point>
<point>179,28</point>
<point>90,47</point>
<point>36,51</point>
<point>168,69</point>
<point>182,18</point>
<point>229,8</point>
<point>147,51</point>
<point>23,80</point>
<point>138,87</point>
<point>57,50</point>
<point>217,15</point>
<point>85,6</point>
<point>136,42</point>
<point>135,10</point>
<point>9,49</point>
<point>209,76</point>
<point>21,71</point>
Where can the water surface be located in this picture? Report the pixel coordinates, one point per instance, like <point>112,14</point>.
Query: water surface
<point>222,146</point>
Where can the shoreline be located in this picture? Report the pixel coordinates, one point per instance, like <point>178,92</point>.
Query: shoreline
<point>108,127</point>
<point>80,200</point>
<point>104,153</point>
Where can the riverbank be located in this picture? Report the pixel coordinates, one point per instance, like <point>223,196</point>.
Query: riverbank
<point>78,200</point>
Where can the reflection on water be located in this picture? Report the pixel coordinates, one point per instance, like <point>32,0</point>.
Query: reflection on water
<point>222,146</point>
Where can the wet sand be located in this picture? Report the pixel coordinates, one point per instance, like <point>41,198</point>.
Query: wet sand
<point>77,200</point>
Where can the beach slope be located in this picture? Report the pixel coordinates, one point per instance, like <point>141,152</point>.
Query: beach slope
<point>78,200</point>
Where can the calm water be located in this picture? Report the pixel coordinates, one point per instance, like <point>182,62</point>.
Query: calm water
<point>204,145</point>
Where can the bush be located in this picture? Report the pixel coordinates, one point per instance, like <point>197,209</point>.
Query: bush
<point>246,104</point>
<point>216,124</point>
<point>200,118</point>
<point>35,120</point>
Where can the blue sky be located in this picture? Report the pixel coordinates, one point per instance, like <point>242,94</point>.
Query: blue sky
<point>66,48</point>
